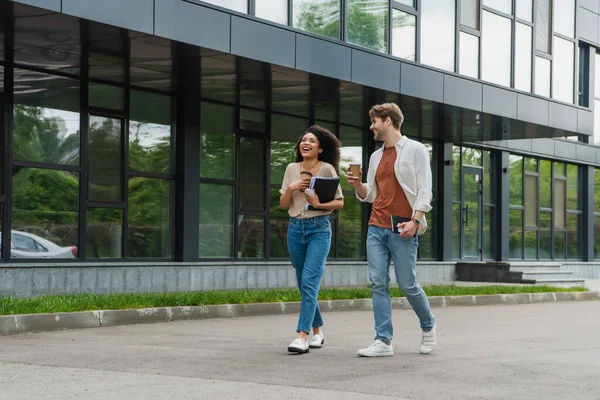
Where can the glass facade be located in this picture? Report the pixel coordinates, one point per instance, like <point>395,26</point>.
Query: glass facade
<point>99,130</point>
<point>545,209</point>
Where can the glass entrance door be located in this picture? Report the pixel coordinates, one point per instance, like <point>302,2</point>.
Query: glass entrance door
<point>471,212</point>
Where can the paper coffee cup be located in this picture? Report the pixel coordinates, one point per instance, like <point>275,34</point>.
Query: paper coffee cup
<point>354,168</point>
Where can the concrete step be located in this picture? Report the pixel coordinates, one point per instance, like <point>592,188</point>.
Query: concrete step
<point>561,282</point>
<point>525,266</point>
<point>537,275</point>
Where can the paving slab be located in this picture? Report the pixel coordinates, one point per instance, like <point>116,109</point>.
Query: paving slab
<point>524,351</point>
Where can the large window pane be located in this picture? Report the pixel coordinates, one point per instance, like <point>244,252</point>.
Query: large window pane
<point>456,168</point>
<point>251,237</point>
<point>349,239</point>
<point>151,64</point>
<point>150,132</point>
<point>531,245</point>
<point>501,5</point>
<point>543,25</point>
<point>252,83</point>
<point>44,213</point>
<point>496,49</point>
<point>573,240</point>
<point>523,57</point>
<point>564,17</point>
<point>524,10</point>
<point>367,22</point>
<point>404,35</point>
<point>216,221</point>
<point>456,224</point>
<point>545,235</point>
<point>515,234</point>
<point>597,191</point>
<point>573,187</point>
<point>106,96</point>
<point>597,235</point>
<point>46,118</point>
<point>469,55</point>
<point>531,201</point>
<point>437,33</point>
<point>325,92</point>
<point>149,225</point>
<point>104,233</point>
<point>290,91</point>
<point>217,141</point>
<point>563,74</point>
<point>516,180</point>
<point>542,76</point>
<point>236,5</point>
<point>560,206</point>
<point>488,233</point>
<point>318,16</point>
<point>285,133</point>
<point>351,151</point>
<point>469,13</point>
<point>218,77</point>
<point>352,110</point>
<point>545,184</point>
<point>278,224</point>
<point>252,174</point>
<point>559,245</point>
<point>105,159</point>
<point>272,10</point>
<point>597,73</point>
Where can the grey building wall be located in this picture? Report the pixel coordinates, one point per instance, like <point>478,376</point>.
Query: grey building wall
<point>27,280</point>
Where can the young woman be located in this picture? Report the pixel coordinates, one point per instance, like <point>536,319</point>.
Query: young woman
<point>309,232</point>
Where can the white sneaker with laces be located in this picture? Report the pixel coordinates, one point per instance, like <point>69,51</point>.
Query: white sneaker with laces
<point>428,341</point>
<point>317,341</point>
<point>298,346</point>
<point>377,349</point>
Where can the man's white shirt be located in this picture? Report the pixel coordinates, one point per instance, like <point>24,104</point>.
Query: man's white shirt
<point>413,173</point>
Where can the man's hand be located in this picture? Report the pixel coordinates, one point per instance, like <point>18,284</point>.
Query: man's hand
<point>408,229</point>
<point>355,181</point>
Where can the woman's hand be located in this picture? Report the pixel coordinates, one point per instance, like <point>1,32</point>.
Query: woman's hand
<point>300,184</point>
<point>313,200</point>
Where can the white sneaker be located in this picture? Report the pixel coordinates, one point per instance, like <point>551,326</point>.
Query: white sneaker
<point>298,346</point>
<point>317,341</point>
<point>428,341</point>
<point>377,349</point>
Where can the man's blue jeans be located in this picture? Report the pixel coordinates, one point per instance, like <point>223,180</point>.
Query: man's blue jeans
<point>383,245</point>
<point>309,240</point>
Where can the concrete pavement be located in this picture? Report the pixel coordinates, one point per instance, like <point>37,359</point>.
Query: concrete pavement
<point>542,351</point>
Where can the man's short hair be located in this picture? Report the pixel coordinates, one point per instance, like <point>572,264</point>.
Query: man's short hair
<point>388,110</point>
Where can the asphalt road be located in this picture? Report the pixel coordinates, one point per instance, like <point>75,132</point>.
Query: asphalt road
<point>541,351</point>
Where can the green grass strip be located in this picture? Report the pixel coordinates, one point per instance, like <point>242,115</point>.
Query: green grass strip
<point>88,302</point>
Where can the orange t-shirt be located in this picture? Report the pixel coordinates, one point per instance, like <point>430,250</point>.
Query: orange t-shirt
<point>391,199</point>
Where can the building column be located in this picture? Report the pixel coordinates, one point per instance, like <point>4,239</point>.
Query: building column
<point>587,229</point>
<point>445,165</point>
<point>187,149</point>
<point>502,206</point>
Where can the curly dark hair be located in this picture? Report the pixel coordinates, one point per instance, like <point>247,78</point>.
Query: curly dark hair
<point>328,142</point>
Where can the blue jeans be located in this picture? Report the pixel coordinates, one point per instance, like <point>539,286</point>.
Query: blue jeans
<point>309,240</point>
<point>383,245</point>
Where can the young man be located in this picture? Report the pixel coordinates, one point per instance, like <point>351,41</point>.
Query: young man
<point>398,184</point>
